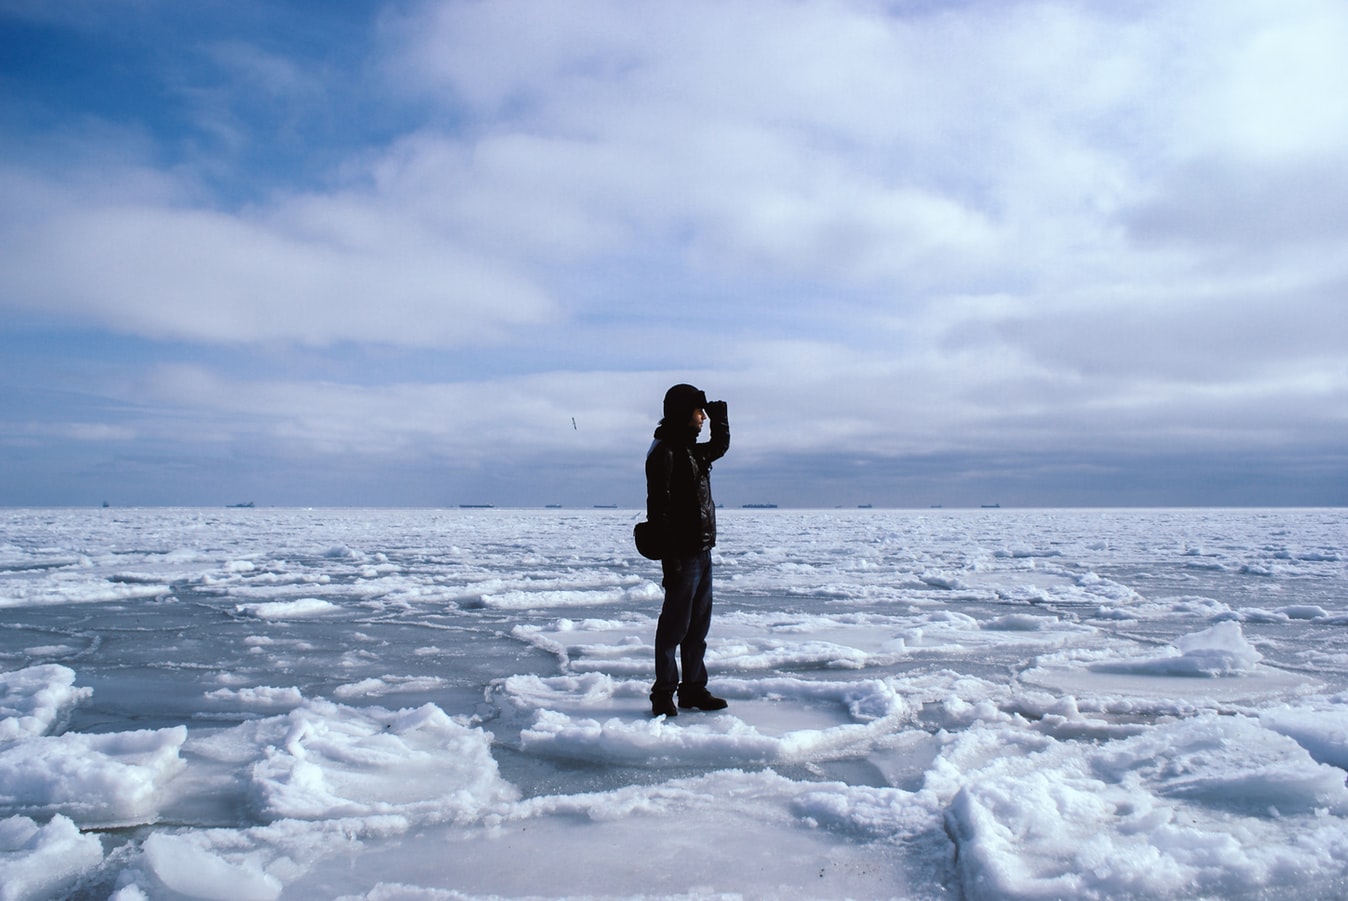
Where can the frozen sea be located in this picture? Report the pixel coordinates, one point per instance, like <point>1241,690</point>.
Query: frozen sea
<point>452,704</point>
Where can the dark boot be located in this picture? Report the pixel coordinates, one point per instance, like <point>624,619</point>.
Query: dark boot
<point>662,704</point>
<point>700,699</point>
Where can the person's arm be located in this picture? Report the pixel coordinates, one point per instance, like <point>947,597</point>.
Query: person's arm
<point>720,430</point>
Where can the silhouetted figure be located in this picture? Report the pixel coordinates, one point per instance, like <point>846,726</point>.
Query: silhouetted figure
<point>679,506</point>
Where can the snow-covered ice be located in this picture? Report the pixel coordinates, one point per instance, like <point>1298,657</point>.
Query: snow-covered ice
<point>450,704</point>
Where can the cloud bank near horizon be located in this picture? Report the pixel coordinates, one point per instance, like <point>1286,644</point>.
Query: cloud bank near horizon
<point>1068,253</point>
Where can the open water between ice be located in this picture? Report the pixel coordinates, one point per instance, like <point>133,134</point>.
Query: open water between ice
<point>447,704</point>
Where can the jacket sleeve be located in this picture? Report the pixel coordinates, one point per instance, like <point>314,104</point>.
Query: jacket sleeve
<point>720,437</point>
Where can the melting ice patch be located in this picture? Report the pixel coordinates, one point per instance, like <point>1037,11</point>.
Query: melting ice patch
<point>44,860</point>
<point>1322,730</point>
<point>775,721</point>
<point>1219,651</point>
<point>259,697</point>
<point>183,864</point>
<point>37,700</point>
<point>115,779</point>
<point>1214,665</point>
<point>747,642</point>
<point>301,608</point>
<point>77,588</point>
<point>387,685</point>
<point>1206,805</point>
<point>324,760</point>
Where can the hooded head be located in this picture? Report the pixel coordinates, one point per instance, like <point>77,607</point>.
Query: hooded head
<point>680,402</point>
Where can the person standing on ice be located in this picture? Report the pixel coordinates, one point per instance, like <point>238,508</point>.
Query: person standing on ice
<point>680,508</point>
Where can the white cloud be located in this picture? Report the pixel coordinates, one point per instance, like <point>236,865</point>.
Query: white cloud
<point>885,156</point>
<point>474,422</point>
<point>307,271</point>
<point>32,434</point>
<point>890,229</point>
<point>1268,89</point>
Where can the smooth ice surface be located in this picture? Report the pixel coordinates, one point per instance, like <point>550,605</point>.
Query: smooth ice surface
<point>432,704</point>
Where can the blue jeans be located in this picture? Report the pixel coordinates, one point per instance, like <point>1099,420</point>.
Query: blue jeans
<point>684,621</point>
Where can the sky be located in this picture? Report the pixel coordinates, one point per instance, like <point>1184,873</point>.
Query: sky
<point>437,252</point>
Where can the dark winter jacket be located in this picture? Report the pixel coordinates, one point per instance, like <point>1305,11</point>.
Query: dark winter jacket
<point>678,486</point>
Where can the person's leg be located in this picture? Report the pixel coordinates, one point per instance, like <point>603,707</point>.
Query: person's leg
<point>681,579</point>
<point>693,690</point>
<point>693,648</point>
